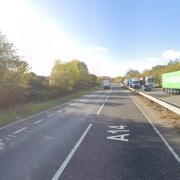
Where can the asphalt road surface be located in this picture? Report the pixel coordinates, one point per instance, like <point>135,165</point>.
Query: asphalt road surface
<point>100,136</point>
<point>158,92</point>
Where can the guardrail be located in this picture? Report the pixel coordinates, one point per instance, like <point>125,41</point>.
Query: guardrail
<point>158,101</point>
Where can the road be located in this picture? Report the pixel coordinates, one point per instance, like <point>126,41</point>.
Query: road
<point>100,136</point>
<point>158,92</point>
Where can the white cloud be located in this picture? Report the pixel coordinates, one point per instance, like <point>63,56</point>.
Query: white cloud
<point>149,62</point>
<point>170,54</point>
<point>40,40</point>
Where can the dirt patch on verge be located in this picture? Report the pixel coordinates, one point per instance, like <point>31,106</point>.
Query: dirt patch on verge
<point>167,117</point>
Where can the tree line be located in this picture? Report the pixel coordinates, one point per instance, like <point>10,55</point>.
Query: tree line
<point>19,85</point>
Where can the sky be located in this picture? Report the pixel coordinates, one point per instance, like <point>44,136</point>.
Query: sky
<point>110,36</point>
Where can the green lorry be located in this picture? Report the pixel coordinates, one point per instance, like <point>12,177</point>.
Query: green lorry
<point>171,82</point>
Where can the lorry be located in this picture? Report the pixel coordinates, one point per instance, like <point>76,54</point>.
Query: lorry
<point>147,83</point>
<point>134,83</point>
<point>171,82</point>
<point>106,84</point>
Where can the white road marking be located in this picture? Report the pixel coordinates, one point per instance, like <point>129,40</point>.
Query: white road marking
<point>1,144</point>
<point>176,156</point>
<point>102,106</point>
<point>36,122</point>
<point>120,137</point>
<point>117,131</point>
<point>11,136</point>
<point>51,115</point>
<point>60,110</point>
<point>22,120</point>
<point>68,158</point>
<point>104,103</point>
<point>117,127</point>
<point>20,130</point>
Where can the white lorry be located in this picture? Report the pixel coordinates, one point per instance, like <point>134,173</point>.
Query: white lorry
<point>134,83</point>
<point>147,81</point>
<point>106,84</point>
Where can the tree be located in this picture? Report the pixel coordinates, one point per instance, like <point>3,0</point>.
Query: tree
<point>132,73</point>
<point>117,79</point>
<point>14,74</point>
<point>69,76</point>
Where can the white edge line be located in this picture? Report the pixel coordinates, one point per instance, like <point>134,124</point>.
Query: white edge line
<point>36,122</point>
<point>68,158</point>
<point>20,130</point>
<point>3,127</point>
<point>160,135</point>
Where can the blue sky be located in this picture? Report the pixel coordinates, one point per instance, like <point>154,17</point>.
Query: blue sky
<point>117,34</point>
<point>122,25</point>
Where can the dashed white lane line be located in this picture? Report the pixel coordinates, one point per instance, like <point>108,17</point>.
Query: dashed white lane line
<point>36,122</point>
<point>20,130</point>
<point>102,106</point>
<point>51,115</point>
<point>1,144</point>
<point>60,110</point>
<point>104,103</point>
<point>68,158</point>
<point>176,156</point>
<point>11,136</point>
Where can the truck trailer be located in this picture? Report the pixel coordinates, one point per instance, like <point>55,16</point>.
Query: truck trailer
<point>171,82</point>
<point>106,84</point>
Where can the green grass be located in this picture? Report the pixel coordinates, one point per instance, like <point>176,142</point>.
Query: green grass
<point>24,110</point>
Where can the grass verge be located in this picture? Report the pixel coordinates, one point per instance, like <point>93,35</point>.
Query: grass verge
<point>25,110</point>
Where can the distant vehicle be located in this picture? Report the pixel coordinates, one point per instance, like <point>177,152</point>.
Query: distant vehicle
<point>171,82</point>
<point>146,87</point>
<point>134,83</point>
<point>126,82</point>
<point>106,84</point>
<point>148,80</point>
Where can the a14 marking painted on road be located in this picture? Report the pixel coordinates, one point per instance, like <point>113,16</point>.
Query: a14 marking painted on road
<point>118,133</point>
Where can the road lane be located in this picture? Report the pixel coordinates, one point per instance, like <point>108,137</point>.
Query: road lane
<point>37,151</point>
<point>122,145</point>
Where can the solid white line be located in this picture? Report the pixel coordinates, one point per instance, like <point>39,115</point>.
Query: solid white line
<point>51,115</point>
<point>68,158</point>
<point>36,122</point>
<point>20,130</point>
<point>176,156</point>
